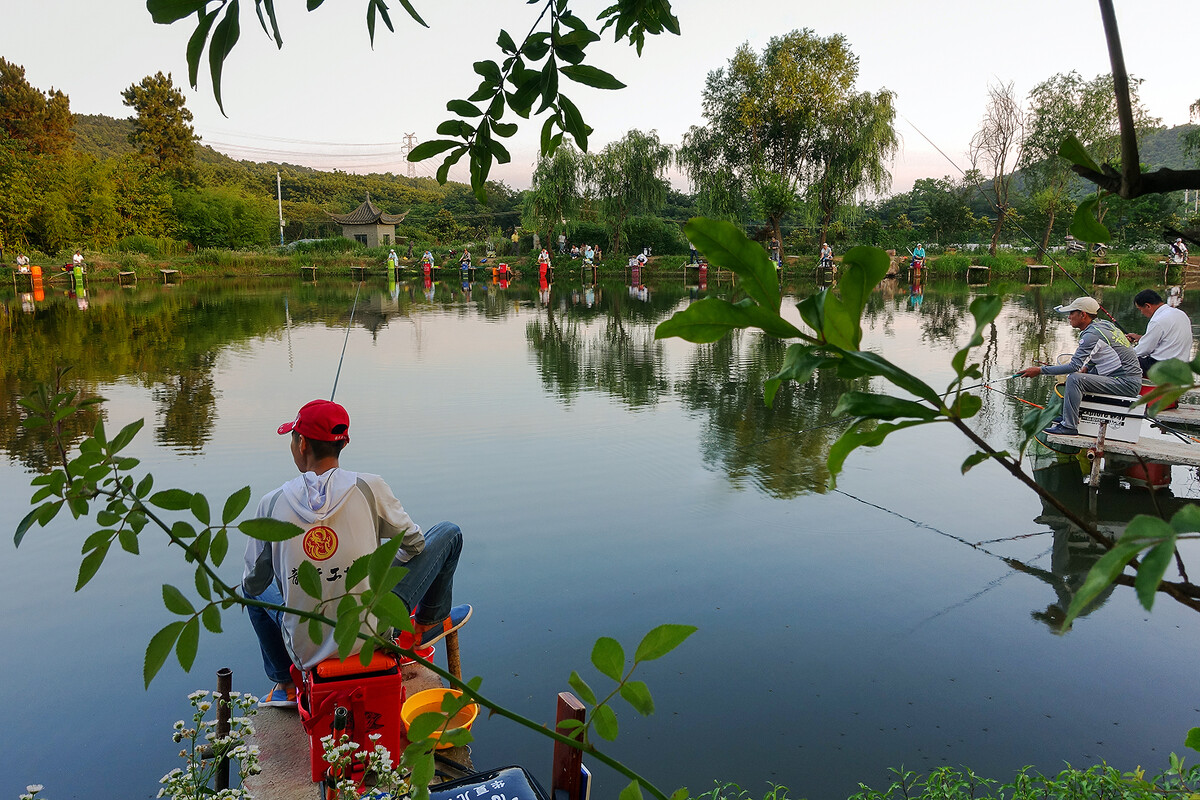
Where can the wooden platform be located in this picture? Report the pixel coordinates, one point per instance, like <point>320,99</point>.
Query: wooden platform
<point>1188,416</point>
<point>127,278</point>
<point>1158,449</point>
<point>1048,275</point>
<point>169,275</point>
<point>1106,270</point>
<point>977,268</point>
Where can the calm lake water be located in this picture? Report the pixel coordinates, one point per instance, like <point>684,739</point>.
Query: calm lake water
<point>606,483</point>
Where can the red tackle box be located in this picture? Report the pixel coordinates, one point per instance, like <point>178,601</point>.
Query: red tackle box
<point>373,694</point>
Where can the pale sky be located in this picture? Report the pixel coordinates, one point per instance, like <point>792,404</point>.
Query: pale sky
<point>327,100</point>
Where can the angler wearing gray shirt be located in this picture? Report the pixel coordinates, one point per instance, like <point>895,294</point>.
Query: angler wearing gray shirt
<point>1103,363</point>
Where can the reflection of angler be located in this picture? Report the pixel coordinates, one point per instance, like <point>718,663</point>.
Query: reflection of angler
<point>1071,556</point>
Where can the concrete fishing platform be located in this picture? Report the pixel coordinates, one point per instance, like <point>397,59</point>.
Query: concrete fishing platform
<point>284,752</point>
<point>1159,448</point>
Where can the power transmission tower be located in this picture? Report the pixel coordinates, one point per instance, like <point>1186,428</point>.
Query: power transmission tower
<point>410,141</point>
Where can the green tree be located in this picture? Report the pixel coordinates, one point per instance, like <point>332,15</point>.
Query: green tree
<point>41,121</point>
<point>162,132</point>
<point>764,115</point>
<point>857,142</point>
<point>1065,105</point>
<point>628,177</point>
<point>555,192</point>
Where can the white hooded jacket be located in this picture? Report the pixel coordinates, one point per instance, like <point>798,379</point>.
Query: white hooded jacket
<point>344,515</point>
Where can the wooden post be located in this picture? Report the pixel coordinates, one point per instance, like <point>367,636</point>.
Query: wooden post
<point>224,686</point>
<point>1096,454</point>
<point>453,664</point>
<point>568,761</point>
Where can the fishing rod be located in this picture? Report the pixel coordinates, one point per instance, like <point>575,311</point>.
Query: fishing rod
<point>344,341</point>
<point>996,207</point>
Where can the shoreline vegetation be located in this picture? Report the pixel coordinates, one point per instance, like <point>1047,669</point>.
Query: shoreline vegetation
<point>341,256</point>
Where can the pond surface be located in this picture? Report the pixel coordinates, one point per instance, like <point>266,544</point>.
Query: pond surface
<point>606,483</point>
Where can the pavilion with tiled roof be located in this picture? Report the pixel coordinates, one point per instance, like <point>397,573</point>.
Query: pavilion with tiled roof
<point>369,225</point>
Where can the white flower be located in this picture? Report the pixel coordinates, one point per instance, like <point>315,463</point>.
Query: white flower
<point>34,788</point>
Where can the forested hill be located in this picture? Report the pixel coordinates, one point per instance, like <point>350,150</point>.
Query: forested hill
<point>313,191</point>
<point>1164,148</point>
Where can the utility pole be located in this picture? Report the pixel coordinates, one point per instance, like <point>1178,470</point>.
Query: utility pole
<point>410,141</point>
<point>279,195</point>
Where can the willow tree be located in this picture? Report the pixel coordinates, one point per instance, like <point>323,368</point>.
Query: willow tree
<point>764,115</point>
<point>856,144</point>
<point>555,191</point>
<point>628,178</point>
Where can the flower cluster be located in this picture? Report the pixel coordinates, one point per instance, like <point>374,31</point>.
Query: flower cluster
<point>31,791</point>
<point>379,778</point>
<point>204,749</point>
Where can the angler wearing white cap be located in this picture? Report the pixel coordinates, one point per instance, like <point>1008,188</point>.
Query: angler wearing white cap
<point>1103,363</point>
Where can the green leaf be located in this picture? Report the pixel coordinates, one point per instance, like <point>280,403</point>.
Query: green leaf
<point>357,571</point>
<point>1186,519</point>
<point>604,720</point>
<point>1170,372</point>
<point>1193,739</point>
<point>390,610</point>
<point>709,319</point>
<point>175,601</point>
<point>608,657</point>
<point>235,505</point>
<point>880,406</point>
<point>266,529</point>
<point>211,616</point>
<point>504,129</point>
<point>431,148</point>
<point>199,508</point>
<point>90,565</point>
<point>273,30</point>
<point>862,270</point>
<point>450,160</point>
<point>1150,572</point>
<point>489,70</point>
<point>631,792</point>
<point>159,648</point>
<point>144,486</point>
<point>637,694</point>
<point>381,561</point>
<point>724,244</point>
<point>463,109</point>
<point>189,642</point>
<point>203,588</point>
<point>172,499</point>
<point>125,436</point>
<point>985,310</point>
<point>224,37</point>
<point>872,364</point>
<point>536,47</point>
<point>505,42</point>
<point>799,363</point>
<point>27,522</point>
<point>1085,226</point>
<point>966,406</point>
<point>128,540</point>
<point>309,579</point>
<point>425,725</point>
<point>345,632</point>
<point>582,689</point>
<point>164,12</point>
<point>1142,531</point>
<point>1073,150</point>
<point>978,458</point>
<point>681,793</point>
<point>591,76</point>
<point>572,122</point>
<point>661,640</point>
<point>219,548</point>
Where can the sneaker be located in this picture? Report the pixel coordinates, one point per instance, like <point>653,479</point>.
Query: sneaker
<point>1061,430</point>
<point>279,697</point>
<point>458,617</point>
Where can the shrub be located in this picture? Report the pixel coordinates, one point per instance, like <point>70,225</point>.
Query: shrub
<point>663,238</point>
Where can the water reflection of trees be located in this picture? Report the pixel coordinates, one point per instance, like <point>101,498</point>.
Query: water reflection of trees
<point>600,338</point>
<point>781,449</point>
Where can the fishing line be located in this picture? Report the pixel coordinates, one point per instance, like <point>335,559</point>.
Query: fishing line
<point>344,341</point>
<point>996,207</point>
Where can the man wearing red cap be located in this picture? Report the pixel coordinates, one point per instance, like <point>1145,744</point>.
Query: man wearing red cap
<point>344,515</point>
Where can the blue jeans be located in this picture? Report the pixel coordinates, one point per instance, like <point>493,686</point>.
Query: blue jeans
<point>428,587</point>
<point>1080,382</point>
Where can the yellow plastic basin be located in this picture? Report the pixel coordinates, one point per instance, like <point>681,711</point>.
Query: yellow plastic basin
<point>430,701</point>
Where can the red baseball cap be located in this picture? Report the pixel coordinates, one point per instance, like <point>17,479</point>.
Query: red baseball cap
<point>320,420</point>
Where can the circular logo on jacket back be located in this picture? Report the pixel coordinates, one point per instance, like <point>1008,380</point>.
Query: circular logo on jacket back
<point>320,543</point>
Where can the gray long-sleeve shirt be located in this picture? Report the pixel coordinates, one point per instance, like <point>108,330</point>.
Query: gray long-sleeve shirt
<point>1103,346</point>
